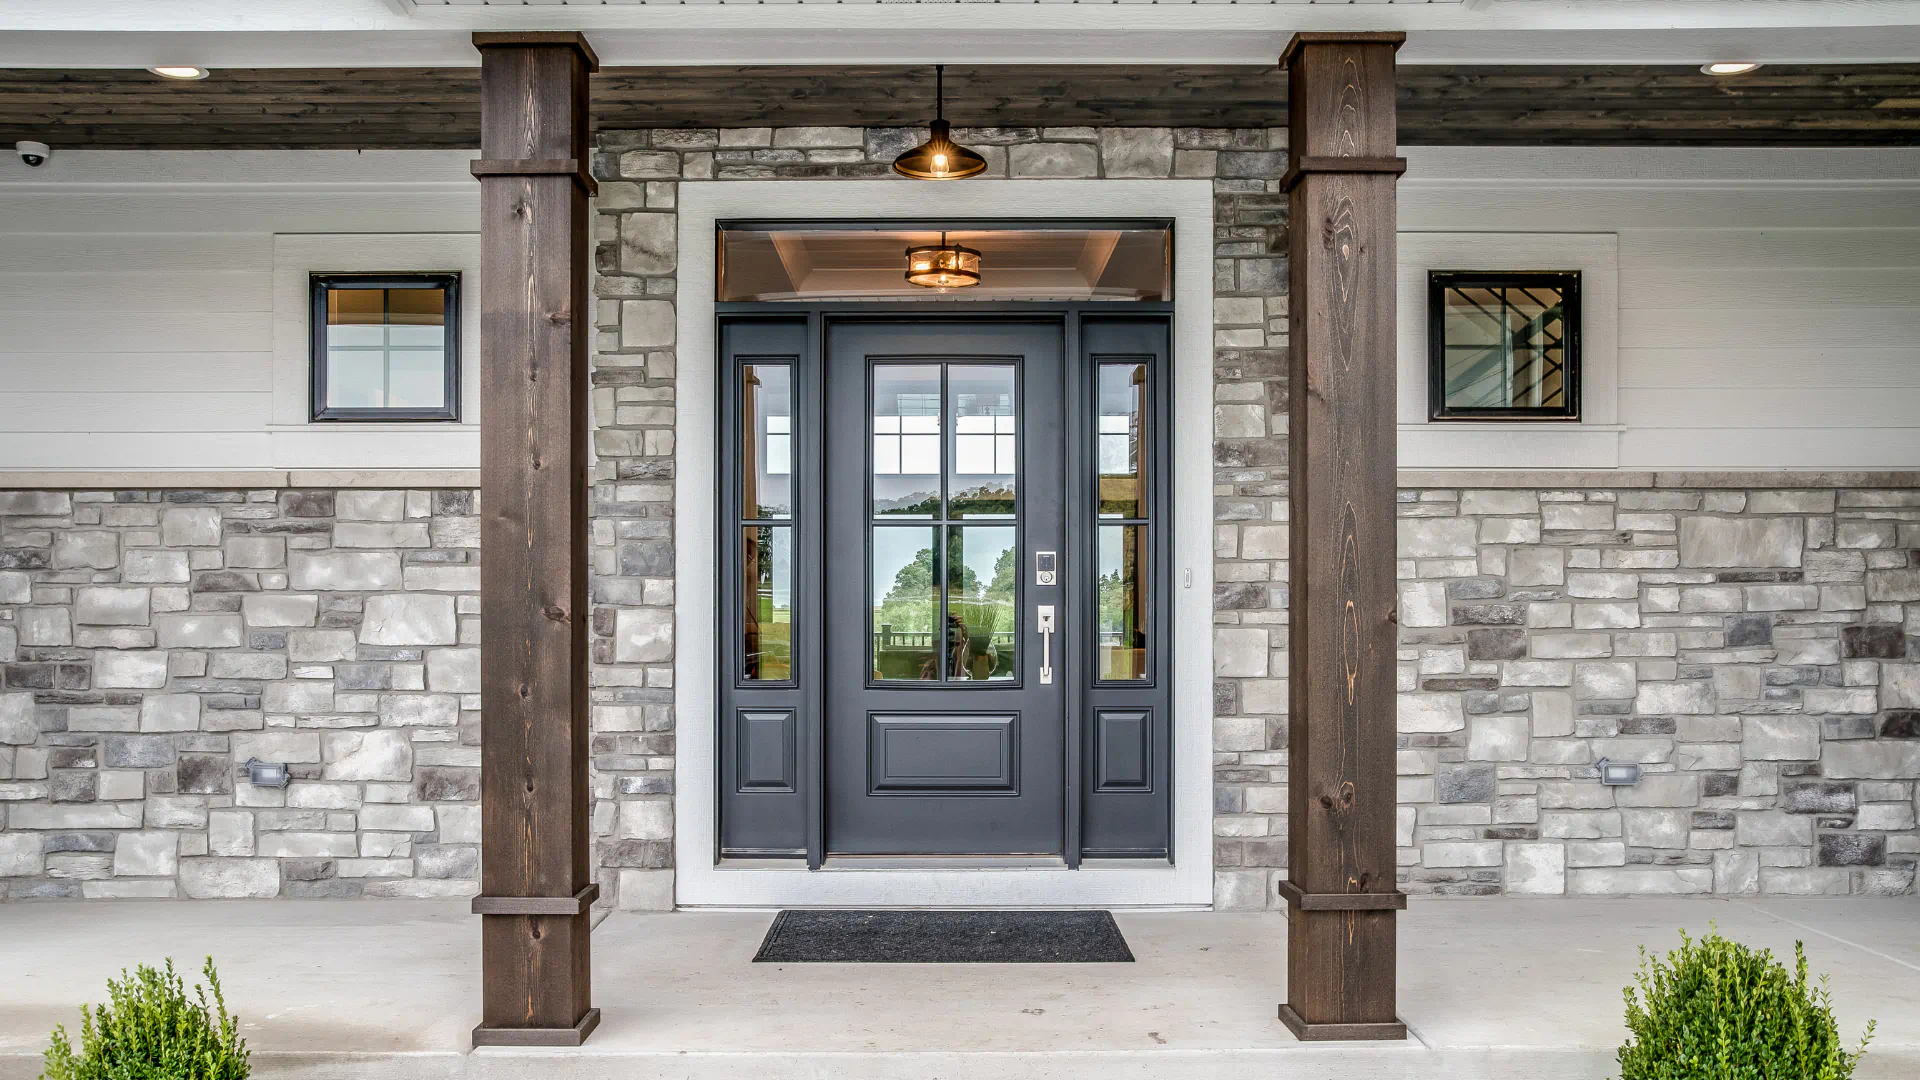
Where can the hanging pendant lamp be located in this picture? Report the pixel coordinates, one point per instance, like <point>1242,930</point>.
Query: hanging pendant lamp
<point>939,158</point>
<point>943,266</point>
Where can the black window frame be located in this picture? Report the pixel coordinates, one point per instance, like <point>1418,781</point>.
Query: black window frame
<point>318,285</point>
<point>1439,281</point>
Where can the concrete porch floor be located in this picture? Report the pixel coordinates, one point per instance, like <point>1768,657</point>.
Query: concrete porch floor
<point>1490,988</point>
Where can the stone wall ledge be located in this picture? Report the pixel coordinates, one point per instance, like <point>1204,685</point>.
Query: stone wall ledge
<point>56,480</point>
<point>1640,478</point>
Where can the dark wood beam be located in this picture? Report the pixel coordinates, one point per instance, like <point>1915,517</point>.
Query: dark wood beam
<point>1340,888</point>
<point>1779,105</point>
<point>536,879</point>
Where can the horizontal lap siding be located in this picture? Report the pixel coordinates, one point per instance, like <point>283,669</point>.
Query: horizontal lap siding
<point>1772,346</point>
<point>138,311</point>
<point>1768,317</point>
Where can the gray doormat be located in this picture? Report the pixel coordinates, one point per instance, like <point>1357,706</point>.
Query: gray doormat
<point>944,937</point>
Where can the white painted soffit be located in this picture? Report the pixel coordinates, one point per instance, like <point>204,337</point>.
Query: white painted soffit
<point>434,33</point>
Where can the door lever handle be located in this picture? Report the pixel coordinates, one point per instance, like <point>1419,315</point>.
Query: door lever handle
<point>1045,612</point>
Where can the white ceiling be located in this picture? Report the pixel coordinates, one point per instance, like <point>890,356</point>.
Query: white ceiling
<point>361,33</point>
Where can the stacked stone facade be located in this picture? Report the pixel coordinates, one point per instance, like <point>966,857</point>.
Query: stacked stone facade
<point>1751,650</point>
<point>153,642</point>
<point>1751,646</point>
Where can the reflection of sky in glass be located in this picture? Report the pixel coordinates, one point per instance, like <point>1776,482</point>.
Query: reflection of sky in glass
<point>981,549</point>
<point>1110,548</point>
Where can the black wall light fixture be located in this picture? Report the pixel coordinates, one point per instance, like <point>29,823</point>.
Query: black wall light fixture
<point>939,158</point>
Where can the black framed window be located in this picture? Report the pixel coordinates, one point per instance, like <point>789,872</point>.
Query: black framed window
<point>1503,346</point>
<point>385,346</point>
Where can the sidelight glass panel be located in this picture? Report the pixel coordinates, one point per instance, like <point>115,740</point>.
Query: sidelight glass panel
<point>906,440</point>
<point>1121,621</point>
<point>985,440</point>
<point>767,594</point>
<point>1121,440</point>
<point>906,603</point>
<point>983,623</point>
<point>766,437</point>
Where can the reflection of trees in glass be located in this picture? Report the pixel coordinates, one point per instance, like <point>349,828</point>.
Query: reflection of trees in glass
<point>768,630</point>
<point>911,604</point>
<point>987,499</point>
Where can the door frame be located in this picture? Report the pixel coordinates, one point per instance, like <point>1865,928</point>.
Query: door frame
<point>701,879</point>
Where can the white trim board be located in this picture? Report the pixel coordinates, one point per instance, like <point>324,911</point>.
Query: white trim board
<point>698,881</point>
<point>1593,442</point>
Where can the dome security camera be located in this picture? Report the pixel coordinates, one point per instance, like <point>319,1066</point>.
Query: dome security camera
<point>35,154</point>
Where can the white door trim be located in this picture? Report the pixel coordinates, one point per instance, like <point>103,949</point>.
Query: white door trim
<point>1189,880</point>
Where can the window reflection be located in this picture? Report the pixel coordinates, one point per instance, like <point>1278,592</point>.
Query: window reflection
<point>906,603</point>
<point>766,471</point>
<point>906,440</point>
<point>985,441</point>
<point>982,623</point>
<point>767,593</point>
<point>1120,438</point>
<point>1121,619</point>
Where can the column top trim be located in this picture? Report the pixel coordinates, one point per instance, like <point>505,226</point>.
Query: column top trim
<point>1394,38</point>
<point>511,39</point>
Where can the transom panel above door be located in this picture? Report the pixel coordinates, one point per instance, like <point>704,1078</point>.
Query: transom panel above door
<point>944,612</point>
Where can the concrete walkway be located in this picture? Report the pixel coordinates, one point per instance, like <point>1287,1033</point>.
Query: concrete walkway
<point>1492,989</point>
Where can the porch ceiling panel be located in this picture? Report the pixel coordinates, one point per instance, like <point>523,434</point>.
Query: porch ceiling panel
<point>1876,105</point>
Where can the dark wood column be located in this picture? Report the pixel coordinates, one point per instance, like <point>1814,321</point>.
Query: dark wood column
<point>535,874</point>
<point>1340,888</point>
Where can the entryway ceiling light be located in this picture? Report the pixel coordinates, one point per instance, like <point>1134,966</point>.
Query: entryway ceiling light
<point>180,71</point>
<point>943,266</point>
<point>939,158</point>
<point>1729,67</point>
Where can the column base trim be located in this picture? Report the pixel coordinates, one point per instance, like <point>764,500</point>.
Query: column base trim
<point>532,1036</point>
<point>1306,901</point>
<point>1378,1032</point>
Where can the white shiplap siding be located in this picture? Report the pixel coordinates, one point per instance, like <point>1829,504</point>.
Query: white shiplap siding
<point>137,304</point>
<point>1769,301</point>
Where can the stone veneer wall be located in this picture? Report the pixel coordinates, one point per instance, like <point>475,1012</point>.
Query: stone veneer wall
<point>154,641</point>
<point>1754,650</point>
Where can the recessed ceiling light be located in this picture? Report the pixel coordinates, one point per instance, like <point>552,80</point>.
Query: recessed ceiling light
<point>179,71</point>
<point>1729,67</point>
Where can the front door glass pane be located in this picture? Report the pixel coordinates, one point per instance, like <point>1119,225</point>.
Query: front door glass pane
<point>767,589</point>
<point>906,603</point>
<point>983,566</point>
<point>1121,621</point>
<point>1120,439</point>
<point>766,440</point>
<point>906,440</point>
<point>985,440</point>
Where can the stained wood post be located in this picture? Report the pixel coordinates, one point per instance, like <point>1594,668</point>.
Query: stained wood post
<point>1340,887</point>
<point>536,879</point>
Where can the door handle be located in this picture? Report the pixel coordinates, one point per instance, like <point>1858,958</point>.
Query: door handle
<point>1045,612</point>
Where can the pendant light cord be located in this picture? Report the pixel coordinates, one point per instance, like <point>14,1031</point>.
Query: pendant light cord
<point>939,91</point>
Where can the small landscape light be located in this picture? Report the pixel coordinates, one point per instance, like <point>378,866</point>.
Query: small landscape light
<point>267,773</point>
<point>1618,773</point>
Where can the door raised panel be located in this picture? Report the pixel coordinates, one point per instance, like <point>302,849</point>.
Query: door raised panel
<point>943,754</point>
<point>1123,742</point>
<point>767,750</point>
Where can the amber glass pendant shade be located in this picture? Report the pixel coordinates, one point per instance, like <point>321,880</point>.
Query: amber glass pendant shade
<point>943,266</point>
<point>939,158</point>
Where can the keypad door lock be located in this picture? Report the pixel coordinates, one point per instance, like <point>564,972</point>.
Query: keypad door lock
<point>1045,568</point>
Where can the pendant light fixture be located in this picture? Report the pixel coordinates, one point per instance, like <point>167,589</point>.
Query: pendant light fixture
<point>943,266</point>
<point>939,158</point>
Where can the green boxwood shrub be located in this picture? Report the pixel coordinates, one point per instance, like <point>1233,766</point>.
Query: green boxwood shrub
<point>151,1030</point>
<point>1714,1009</point>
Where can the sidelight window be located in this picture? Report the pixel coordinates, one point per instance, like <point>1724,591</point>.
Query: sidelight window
<point>767,564</point>
<point>1121,450</point>
<point>1503,346</point>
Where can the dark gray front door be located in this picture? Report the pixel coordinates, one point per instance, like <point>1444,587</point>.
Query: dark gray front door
<point>943,477</point>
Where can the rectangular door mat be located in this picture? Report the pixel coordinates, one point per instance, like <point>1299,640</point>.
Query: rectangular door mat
<point>944,937</point>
